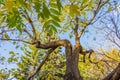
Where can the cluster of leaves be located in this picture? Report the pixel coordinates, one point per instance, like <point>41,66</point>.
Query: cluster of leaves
<point>13,13</point>
<point>4,74</point>
<point>54,68</point>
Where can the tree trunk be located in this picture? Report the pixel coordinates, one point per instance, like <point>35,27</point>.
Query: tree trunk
<point>114,75</point>
<point>72,57</point>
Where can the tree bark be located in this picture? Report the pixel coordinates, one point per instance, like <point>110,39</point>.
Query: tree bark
<point>72,58</point>
<point>114,75</point>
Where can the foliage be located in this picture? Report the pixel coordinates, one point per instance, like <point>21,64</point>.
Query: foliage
<point>54,68</point>
<point>42,21</point>
<point>102,64</point>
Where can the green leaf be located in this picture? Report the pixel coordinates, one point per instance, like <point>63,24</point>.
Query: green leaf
<point>1,1</point>
<point>54,5</point>
<point>51,31</point>
<point>6,36</point>
<point>53,28</point>
<point>14,42</point>
<point>74,10</point>
<point>109,9</point>
<point>46,12</point>
<point>17,47</point>
<point>40,15</point>
<point>46,24</point>
<point>20,65</point>
<point>59,5</point>
<point>3,19</point>
<point>54,11</point>
<point>84,1</point>
<point>32,47</point>
<point>71,35</point>
<point>56,23</point>
<point>37,6</point>
<point>11,52</point>
<point>19,28</point>
<point>55,18</point>
<point>9,60</point>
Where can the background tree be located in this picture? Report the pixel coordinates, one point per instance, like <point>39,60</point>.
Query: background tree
<point>112,33</point>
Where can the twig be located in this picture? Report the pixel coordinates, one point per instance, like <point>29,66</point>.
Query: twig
<point>18,40</point>
<point>31,23</point>
<point>90,21</point>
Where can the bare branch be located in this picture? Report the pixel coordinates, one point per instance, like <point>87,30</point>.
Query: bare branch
<point>4,31</point>
<point>116,27</point>
<point>14,29</point>
<point>94,15</point>
<point>114,41</point>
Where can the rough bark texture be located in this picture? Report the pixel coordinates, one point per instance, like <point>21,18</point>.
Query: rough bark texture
<point>72,57</point>
<point>114,75</point>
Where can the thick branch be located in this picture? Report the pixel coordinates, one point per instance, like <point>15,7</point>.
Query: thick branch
<point>76,27</point>
<point>42,63</point>
<point>52,44</point>
<point>76,31</point>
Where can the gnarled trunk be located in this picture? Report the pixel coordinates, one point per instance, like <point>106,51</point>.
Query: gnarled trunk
<point>72,57</point>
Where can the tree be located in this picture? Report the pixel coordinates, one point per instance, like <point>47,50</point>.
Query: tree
<point>39,23</point>
<point>111,24</point>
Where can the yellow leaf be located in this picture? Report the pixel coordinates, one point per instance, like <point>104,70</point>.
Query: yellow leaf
<point>65,10</point>
<point>62,18</point>
<point>74,10</point>
<point>11,0</point>
<point>82,24</point>
<point>8,6</point>
<point>52,0</point>
<point>32,47</point>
